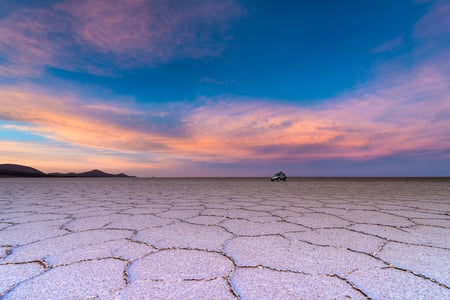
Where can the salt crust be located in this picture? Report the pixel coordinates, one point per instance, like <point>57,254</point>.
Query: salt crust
<point>224,239</point>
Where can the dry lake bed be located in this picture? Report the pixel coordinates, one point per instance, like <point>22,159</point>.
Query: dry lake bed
<point>224,239</point>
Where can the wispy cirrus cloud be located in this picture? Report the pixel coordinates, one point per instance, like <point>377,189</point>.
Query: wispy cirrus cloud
<point>112,109</point>
<point>436,23</point>
<point>389,45</point>
<point>85,35</point>
<point>25,42</point>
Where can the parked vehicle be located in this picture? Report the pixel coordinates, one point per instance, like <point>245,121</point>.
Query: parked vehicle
<point>280,176</point>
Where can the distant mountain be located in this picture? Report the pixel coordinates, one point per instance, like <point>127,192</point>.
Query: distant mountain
<point>93,173</point>
<point>12,170</point>
<point>19,171</point>
<point>98,173</point>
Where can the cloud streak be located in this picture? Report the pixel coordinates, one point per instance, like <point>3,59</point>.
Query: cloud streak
<point>436,23</point>
<point>389,45</point>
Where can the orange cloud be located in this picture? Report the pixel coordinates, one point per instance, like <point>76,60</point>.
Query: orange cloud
<point>67,120</point>
<point>406,114</point>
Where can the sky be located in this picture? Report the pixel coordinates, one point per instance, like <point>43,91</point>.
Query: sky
<point>226,87</point>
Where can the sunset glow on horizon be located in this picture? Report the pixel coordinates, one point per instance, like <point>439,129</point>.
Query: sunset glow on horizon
<point>226,87</point>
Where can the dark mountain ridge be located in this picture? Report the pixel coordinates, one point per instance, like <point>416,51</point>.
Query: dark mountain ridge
<point>13,170</point>
<point>19,171</point>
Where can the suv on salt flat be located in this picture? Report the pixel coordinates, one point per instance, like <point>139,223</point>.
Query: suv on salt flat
<point>280,176</point>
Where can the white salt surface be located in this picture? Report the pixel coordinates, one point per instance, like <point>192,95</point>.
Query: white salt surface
<point>224,239</point>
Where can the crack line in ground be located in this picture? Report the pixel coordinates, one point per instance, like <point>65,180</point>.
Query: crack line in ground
<point>351,284</point>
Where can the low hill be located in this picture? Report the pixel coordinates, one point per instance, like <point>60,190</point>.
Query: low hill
<point>19,171</point>
<point>93,173</point>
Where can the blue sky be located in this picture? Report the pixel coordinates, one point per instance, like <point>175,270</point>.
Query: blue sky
<point>223,88</point>
<point>297,50</point>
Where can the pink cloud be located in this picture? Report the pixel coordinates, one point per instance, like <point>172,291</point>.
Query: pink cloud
<point>25,41</point>
<point>124,33</point>
<point>158,30</point>
<point>403,113</point>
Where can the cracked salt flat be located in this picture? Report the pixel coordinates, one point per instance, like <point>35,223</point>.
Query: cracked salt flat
<point>85,279</point>
<point>224,239</point>
<point>263,283</point>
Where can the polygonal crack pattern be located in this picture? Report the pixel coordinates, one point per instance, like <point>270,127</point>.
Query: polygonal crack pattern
<point>224,239</point>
